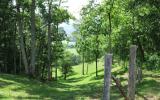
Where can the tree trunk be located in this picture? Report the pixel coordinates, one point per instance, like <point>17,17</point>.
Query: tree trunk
<point>42,73</point>
<point>20,62</point>
<point>96,66</point>
<point>139,74</point>
<point>15,65</point>
<point>110,30</point>
<point>97,54</point>
<point>83,64</point>
<point>49,40</point>
<point>56,59</point>
<point>14,54</point>
<point>56,73</point>
<point>20,30</point>
<point>65,72</point>
<point>33,46</point>
<point>65,76</point>
<point>87,69</point>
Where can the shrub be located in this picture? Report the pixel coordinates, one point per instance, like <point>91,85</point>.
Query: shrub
<point>153,62</point>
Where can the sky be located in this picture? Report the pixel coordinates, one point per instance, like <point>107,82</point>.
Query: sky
<point>74,7</point>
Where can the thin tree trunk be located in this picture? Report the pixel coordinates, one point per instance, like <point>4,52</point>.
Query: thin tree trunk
<point>83,64</point>
<point>97,53</point>
<point>15,65</point>
<point>65,76</point>
<point>142,59</point>
<point>87,69</point>
<point>42,73</point>
<point>110,30</point>
<point>20,62</point>
<point>20,30</point>
<point>65,72</point>
<point>56,73</point>
<point>49,40</point>
<point>33,46</point>
<point>57,57</point>
<point>96,66</point>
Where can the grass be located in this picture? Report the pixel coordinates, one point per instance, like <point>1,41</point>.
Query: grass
<point>72,50</point>
<point>77,86</point>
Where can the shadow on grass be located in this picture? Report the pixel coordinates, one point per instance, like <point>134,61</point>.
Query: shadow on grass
<point>150,86</point>
<point>60,90</point>
<point>152,76</point>
<point>74,79</point>
<point>4,83</point>
<point>1,96</point>
<point>94,73</point>
<point>120,72</point>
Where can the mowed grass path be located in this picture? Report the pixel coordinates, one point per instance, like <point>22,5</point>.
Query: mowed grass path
<point>77,86</point>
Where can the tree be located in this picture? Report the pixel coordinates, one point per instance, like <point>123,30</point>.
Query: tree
<point>66,64</point>
<point>33,42</point>
<point>24,36</point>
<point>20,30</point>
<point>90,31</point>
<point>53,16</point>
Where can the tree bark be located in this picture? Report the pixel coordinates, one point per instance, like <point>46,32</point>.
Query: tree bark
<point>110,32</point>
<point>33,46</point>
<point>20,61</point>
<point>65,72</point>
<point>65,76</point>
<point>97,54</point>
<point>107,76</point>
<point>43,71</point>
<point>87,69</point>
<point>83,64</point>
<point>14,47</point>
<point>96,66</point>
<point>56,73</point>
<point>49,39</point>
<point>132,67</point>
<point>139,73</point>
<point>20,30</point>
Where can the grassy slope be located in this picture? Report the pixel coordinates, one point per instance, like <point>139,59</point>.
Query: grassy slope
<point>76,87</point>
<point>72,50</point>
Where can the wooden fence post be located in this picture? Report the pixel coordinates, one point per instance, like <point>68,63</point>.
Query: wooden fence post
<point>132,78</point>
<point>107,76</point>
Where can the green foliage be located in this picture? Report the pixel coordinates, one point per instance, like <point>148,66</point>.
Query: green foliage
<point>118,23</point>
<point>66,63</point>
<point>75,59</point>
<point>90,36</point>
<point>153,62</point>
<point>9,41</point>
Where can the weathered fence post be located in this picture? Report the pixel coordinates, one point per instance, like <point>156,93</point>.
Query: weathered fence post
<point>107,76</point>
<point>132,67</point>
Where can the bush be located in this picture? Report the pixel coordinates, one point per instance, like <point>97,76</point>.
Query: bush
<point>75,59</point>
<point>153,62</point>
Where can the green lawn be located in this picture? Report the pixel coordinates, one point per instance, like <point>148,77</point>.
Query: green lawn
<point>77,86</point>
<point>72,50</point>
